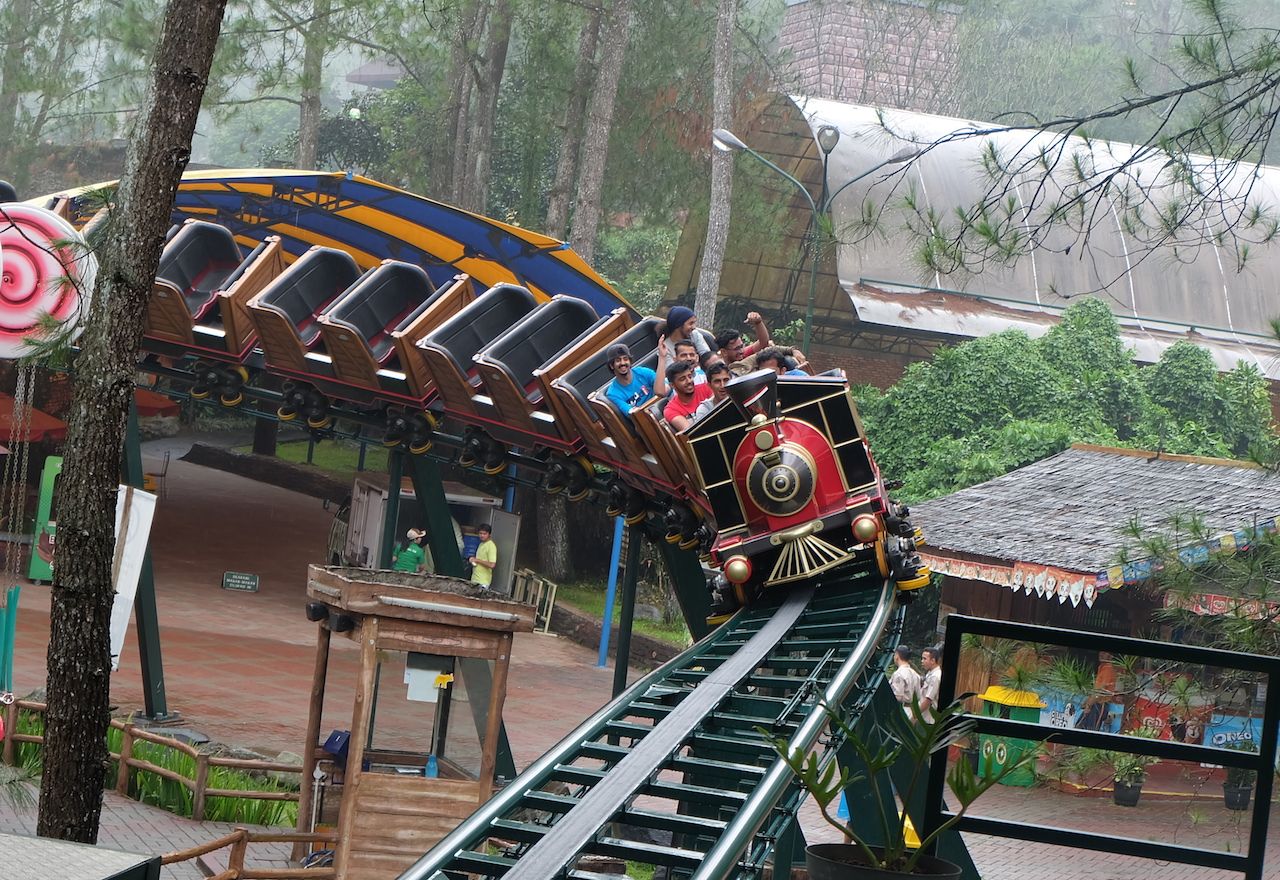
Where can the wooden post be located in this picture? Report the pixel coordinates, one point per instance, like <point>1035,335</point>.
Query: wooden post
<point>235,862</point>
<point>126,755</point>
<point>201,783</point>
<point>306,793</point>
<point>493,725</point>
<point>359,734</point>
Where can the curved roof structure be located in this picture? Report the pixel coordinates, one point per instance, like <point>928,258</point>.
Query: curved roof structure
<point>1194,292</point>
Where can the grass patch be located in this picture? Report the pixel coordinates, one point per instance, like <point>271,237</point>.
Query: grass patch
<point>589,599</point>
<point>171,795</point>
<point>337,457</point>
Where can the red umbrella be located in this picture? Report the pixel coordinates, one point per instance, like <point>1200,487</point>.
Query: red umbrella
<point>41,425</point>
<point>152,404</point>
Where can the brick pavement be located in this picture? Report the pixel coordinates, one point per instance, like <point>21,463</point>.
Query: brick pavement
<point>238,668</point>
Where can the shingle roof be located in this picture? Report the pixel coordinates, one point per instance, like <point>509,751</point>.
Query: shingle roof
<point>1070,510</point>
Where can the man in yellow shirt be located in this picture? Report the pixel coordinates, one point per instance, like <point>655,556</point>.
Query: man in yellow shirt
<point>485,560</point>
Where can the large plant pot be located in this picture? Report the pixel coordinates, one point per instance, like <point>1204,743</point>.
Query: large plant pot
<point>844,861</point>
<point>1126,795</point>
<point>1236,797</point>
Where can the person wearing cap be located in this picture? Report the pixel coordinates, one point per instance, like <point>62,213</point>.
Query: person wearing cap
<point>631,385</point>
<point>413,556</point>
<point>485,559</point>
<point>681,324</point>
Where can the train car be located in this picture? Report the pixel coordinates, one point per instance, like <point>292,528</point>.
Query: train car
<point>793,489</point>
<point>347,310</point>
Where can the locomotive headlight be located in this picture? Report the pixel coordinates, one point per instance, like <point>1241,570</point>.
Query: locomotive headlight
<point>865,528</point>
<point>781,480</point>
<point>737,569</point>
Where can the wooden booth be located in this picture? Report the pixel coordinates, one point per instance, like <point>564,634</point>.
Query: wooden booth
<point>433,658</point>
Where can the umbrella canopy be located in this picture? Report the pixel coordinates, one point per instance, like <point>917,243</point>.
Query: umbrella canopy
<point>373,222</point>
<point>150,404</point>
<point>42,426</point>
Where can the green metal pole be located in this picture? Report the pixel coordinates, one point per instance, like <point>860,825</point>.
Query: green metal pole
<point>429,488</point>
<point>690,586</point>
<point>630,575</point>
<point>395,474</point>
<point>144,604</point>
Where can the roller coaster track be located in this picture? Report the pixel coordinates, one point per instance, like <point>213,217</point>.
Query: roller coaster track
<point>681,751</point>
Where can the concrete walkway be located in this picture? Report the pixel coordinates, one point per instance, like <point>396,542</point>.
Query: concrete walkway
<point>238,668</point>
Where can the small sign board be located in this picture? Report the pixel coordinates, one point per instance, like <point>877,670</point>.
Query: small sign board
<point>240,581</point>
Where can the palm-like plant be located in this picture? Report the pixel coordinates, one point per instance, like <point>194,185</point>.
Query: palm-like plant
<point>899,740</point>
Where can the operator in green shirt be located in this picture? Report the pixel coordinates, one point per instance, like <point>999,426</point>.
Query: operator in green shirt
<point>486,558</point>
<point>414,556</point>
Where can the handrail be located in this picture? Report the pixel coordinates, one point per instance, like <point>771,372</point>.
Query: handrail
<point>1263,761</point>
<point>239,840</point>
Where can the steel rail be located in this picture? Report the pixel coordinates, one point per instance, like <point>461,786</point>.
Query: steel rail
<point>723,857</point>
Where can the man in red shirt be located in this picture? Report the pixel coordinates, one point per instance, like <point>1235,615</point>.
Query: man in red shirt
<point>685,397</point>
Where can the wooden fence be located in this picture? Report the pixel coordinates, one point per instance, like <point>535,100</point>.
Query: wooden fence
<point>199,786</point>
<point>239,841</point>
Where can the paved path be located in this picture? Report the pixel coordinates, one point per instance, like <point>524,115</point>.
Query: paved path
<point>238,668</point>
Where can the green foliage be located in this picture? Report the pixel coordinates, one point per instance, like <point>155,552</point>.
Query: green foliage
<point>986,407</point>
<point>167,794</point>
<point>895,740</point>
<point>636,260</point>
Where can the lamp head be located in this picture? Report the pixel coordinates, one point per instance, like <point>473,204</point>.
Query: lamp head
<point>906,154</point>
<point>828,137</point>
<point>726,141</point>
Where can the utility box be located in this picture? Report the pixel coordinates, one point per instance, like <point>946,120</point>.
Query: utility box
<point>997,752</point>
<point>355,537</point>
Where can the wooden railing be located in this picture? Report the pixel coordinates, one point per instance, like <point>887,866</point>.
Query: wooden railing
<point>538,592</point>
<point>239,841</point>
<point>131,733</point>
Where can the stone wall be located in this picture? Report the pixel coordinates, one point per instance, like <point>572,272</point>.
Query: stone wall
<point>891,53</point>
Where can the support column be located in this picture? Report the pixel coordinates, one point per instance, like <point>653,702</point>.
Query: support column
<point>690,586</point>
<point>155,705</point>
<point>429,489</point>
<point>311,739</point>
<point>395,473</point>
<point>630,576</point>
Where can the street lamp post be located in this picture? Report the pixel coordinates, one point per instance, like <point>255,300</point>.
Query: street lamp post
<point>828,136</point>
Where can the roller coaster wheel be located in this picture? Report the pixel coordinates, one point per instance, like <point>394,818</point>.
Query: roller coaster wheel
<point>672,538</point>
<point>918,537</point>
<point>553,489</point>
<point>579,494</point>
<point>199,393</point>
<point>421,447</point>
<point>391,441</point>
<point>610,510</point>
<point>243,373</point>
<point>634,519</point>
<point>688,543</point>
<point>231,399</point>
<point>915,583</point>
<point>286,413</point>
<point>494,469</point>
<point>319,423</point>
<point>466,460</point>
<point>882,558</point>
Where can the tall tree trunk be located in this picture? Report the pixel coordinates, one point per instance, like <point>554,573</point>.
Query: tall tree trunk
<point>315,40</point>
<point>462,59</point>
<point>79,657</point>
<point>595,144</point>
<point>14,35</point>
<point>704,305</point>
<point>476,186</point>
<point>575,109</point>
<point>554,560</point>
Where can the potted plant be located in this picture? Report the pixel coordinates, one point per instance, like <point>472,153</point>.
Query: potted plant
<point>1237,788</point>
<point>897,740</point>
<point>1129,771</point>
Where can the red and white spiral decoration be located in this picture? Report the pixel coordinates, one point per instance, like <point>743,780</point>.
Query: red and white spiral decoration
<point>45,269</point>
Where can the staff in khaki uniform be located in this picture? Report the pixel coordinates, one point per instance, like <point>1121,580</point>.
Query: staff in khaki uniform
<point>485,560</point>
